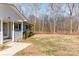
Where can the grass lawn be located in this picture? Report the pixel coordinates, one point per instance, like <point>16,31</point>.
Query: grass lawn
<point>51,44</point>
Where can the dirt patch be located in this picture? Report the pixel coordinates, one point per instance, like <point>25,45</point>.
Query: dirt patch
<point>32,50</point>
<point>2,47</point>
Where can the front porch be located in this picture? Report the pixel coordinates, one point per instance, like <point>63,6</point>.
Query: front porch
<point>10,29</point>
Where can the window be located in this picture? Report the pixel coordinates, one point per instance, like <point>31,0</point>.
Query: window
<point>26,27</point>
<point>17,27</point>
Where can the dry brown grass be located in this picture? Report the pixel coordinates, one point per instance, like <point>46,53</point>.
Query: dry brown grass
<point>2,47</point>
<point>52,44</point>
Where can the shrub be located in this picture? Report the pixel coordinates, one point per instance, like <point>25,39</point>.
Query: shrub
<point>27,33</point>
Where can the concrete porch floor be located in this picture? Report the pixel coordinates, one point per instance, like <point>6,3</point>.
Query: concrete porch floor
<point>7,40</point>
<point>15,47</point>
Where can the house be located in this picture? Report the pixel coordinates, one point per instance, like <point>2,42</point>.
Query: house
<point>11,23</point>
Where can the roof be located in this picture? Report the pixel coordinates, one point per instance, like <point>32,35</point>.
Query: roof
<point>9,10</point>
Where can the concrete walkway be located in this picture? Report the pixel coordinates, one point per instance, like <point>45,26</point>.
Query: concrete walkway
<point>15,47</point>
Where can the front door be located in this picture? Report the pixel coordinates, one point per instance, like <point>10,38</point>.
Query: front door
<point>5,30</point>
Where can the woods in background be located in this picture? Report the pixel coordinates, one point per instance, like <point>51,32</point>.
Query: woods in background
<point>52,17</point>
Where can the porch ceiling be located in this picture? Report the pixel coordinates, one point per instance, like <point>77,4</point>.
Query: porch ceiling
<point>9,10</point>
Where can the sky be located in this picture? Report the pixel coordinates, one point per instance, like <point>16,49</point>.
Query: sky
<point>28,9</point>
<point>43,8</point>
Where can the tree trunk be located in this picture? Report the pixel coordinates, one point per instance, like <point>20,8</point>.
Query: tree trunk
<point>54,25</point>
<point>39,26</point>
<point>35,25</point>
<point>50,27</point>
<point>70,25</point>
<point>43,25</point>
<point>78,28</point>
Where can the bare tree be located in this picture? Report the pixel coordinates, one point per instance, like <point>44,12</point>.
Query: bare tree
<point>55,9</point>
<point>49,16</point>
<point>71,7</point>
<point>36,10</point>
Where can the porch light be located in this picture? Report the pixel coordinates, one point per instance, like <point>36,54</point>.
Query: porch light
<point>25,20</point>
<point>20,20</point>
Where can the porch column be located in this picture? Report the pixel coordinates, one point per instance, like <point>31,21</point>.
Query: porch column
<point>21,30</point>
<point>13,31</point>
<point>1,39</point>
